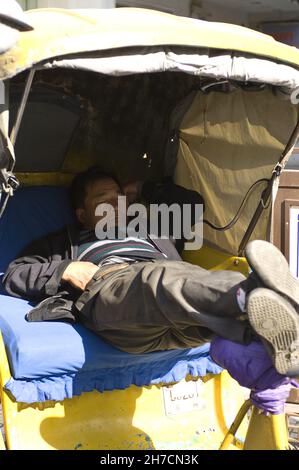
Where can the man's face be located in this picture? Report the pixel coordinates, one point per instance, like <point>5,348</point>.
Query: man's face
<point>102,191</point>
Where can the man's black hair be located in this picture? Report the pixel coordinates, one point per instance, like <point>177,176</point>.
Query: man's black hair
<point>79,185</point>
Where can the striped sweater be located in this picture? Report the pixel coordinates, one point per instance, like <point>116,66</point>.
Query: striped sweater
<point>103,252</point>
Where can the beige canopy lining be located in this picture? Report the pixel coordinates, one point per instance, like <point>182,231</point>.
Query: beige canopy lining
<point>226,143</point>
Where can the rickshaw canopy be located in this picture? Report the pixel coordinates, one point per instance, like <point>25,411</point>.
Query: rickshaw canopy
<point>61,33</point>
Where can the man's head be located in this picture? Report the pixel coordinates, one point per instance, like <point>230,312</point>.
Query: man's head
<point>88,190</point>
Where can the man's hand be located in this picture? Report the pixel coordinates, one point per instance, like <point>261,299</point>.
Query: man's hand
<point>79,273</point>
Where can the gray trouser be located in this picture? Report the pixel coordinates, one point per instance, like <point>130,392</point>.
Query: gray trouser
<point>164,305</point>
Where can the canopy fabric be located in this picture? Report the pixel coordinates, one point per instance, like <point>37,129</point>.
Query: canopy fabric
<point>203,64</point>
<point>59,32</point>
<point>228,141</point>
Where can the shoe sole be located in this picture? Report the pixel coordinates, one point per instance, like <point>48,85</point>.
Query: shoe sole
<point>275,320</point>
<point>272,269</point>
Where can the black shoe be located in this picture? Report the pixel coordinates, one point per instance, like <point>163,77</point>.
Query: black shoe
<point>276,321</point>
<point>272,269</point>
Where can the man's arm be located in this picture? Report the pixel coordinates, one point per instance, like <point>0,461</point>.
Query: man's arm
<point>41,269</point>
<point>36,274</point>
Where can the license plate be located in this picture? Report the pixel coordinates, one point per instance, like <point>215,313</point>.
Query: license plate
<point>183,397</point>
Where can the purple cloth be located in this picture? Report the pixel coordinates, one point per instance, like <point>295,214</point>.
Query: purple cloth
<point>251,366</point>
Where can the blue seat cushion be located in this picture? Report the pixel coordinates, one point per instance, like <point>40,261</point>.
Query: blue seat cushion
<point>57,360</point>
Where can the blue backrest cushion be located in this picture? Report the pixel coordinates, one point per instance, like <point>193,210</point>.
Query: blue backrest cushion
<point>30,214</point>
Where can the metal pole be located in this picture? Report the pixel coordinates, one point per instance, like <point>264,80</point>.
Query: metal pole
<point>4,109</point>
<point>16,127</point>
<point>231,434</point>
<point>268,191</point>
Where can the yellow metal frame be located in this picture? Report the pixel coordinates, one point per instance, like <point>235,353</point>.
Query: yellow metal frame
<point>121,419</point>
<point>264,432</point>
<point>267,432</point>
<point>214,260</point>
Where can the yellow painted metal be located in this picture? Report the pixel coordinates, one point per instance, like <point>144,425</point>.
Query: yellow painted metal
<point>212,259</point>
<point>266,432</point>
<point>45,179</point>
<point>5,376</point>
<point>134,418</point>
<point>59,32</point>
<point>221,403</point>
<point>2,443</point>
<point>230,437</point>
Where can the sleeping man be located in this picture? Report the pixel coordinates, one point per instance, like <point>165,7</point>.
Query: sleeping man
<point>138,294</point>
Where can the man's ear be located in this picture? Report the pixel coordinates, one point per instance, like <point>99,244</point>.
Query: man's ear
<point>80,214</point>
